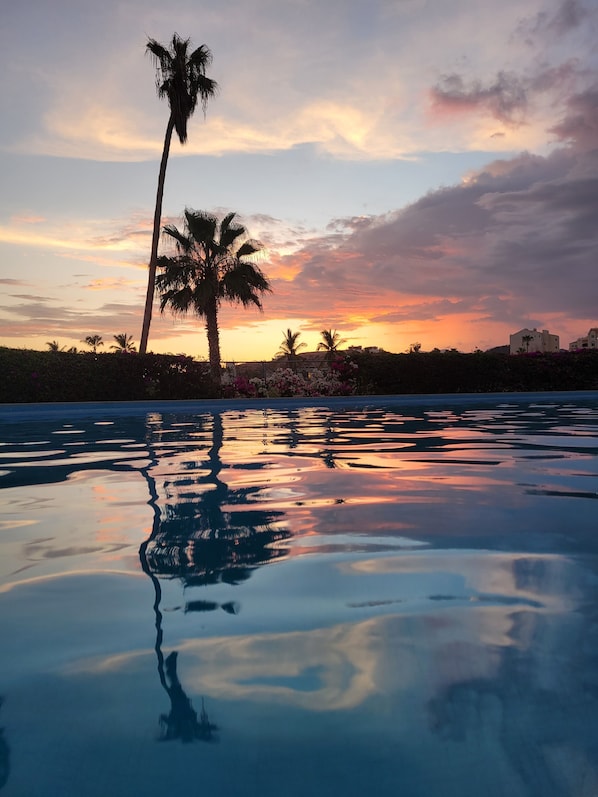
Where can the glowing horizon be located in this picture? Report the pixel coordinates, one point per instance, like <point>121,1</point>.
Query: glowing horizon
<point>446,198</point>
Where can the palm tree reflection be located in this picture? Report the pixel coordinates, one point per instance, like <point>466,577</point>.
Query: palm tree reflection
<point>182,722</point>
<point>201,536</point>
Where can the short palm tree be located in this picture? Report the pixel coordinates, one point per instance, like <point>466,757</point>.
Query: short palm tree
<point>290,346</point>
<point>181,78</point>
<point>209,267</point>
<point>53,345</point>
<point>330,343</point>
<point>124,343</point>
<point>93,341</point>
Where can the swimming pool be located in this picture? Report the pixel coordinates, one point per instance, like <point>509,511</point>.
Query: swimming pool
<point>362,597</point>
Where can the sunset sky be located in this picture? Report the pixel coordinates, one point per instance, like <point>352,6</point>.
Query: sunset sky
<point>417,170</point>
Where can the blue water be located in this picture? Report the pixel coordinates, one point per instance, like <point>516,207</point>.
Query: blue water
<point>391,598</point>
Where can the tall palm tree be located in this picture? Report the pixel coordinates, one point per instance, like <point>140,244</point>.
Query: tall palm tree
<point>181,78</point>
<point>124,343</point>
<point>290,346</point>
<point>209,267</point>
<point>330,343</point>
<point>93,341</point>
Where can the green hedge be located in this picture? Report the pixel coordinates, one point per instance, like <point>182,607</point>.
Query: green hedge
<point>481,372</point>
<point>29,376</point>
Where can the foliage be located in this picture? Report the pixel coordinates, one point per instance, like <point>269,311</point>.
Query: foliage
<point>210,266</point>
<point>290,347</point>
<point>339,380</point>
<point>32,376</point>
<point>41,376</point>
<point>181,78</point>
<point>330,343</point>
<point>93,341</point>
<point>480,372</point>
<point>124,343</point>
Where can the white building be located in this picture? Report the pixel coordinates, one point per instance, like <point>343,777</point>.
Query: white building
<point>528,340</point>
<point>590,341</point>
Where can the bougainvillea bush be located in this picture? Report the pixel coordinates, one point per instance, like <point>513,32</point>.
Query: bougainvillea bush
<point>340,379</point>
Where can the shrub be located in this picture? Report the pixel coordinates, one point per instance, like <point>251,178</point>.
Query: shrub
<point>32,376</point>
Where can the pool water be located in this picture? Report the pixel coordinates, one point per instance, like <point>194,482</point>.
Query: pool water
<point>385,598</point>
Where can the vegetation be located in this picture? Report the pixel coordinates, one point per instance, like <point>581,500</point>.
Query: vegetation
<point>124,343</point>
<point>34,376</point>
<point>53,345</point>
<point>330,343</point>
<point>210,267</point>
<point>181,78</point>
<point>480,372</point>
<point>94,342</point>
<point>290,347</point>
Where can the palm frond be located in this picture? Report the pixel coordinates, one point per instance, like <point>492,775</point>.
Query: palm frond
<point>180,76</point>
<point>201,227</point>
<point>243,284</point>
<point>249,248</point>
<point>182,241</point>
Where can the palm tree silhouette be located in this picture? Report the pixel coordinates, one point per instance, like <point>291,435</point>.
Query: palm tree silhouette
<point>527,339</point>
<point>290,346</point>
<point>53,345</point>
<point>93,341</point>
<point>124,342</point>
<point>181,78</point>
<point>210,267</point>
<point>330,343</point>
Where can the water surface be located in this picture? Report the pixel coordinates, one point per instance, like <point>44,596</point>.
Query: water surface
<point>264,600</point>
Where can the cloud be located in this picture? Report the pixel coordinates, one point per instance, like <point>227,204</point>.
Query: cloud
<point>353,88</point>
<point>568,16</point>
<point>515,241</point>
<point>579,126</point>
<point>505,98</point>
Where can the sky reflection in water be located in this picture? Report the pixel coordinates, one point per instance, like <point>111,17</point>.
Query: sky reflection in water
<point>301,601</point>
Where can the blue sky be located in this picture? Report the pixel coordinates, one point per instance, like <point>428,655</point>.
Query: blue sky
<point>417,170</point>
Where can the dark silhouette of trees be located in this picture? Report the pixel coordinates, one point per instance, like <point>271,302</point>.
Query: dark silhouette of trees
<point>124,342</point>
<point>94,342</point>
<point>330,344</point>
<point>210,266</point>
<point>290,347</point>
<point>181,78</point>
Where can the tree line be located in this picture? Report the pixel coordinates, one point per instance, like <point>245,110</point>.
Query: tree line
<point>289,348</point>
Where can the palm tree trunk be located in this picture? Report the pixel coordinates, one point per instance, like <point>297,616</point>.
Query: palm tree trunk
<point>214,343</point>
<point>151,277</point>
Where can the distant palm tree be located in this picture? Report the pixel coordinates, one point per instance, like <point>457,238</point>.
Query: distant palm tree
<point>54,346</point>
<point>330,343</point>
<point>527,339</point>
<point>124,343</point>
<point>290,346</point>
<point>181,78</point>
<point>93,341</point>
<point>210,267</point>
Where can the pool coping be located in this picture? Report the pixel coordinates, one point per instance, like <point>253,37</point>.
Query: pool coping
<point>37,411</point>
